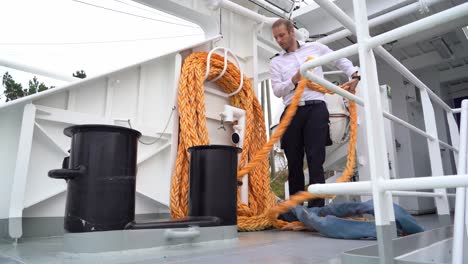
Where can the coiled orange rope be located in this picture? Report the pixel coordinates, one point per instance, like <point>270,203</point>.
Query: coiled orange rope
<point>261,212</point>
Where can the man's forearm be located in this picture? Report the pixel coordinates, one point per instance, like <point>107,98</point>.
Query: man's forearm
<point>283,88</point>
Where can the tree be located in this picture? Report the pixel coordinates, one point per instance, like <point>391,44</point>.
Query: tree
<point>35,86</point>
<point>14,90</point>
<point>79,74</point>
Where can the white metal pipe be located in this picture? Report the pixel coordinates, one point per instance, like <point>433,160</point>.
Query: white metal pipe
<point>417,130</point>
<point>435,20</point>
<point>460,205</point>
<point>407,125</point>
<point>271,8</point>
<point>332,87</point>
<point>387,17</point>
<point>34,70</point>
<point>231,114</point>
<point>444,144</point>
<point>437,99</point>
<point>456,110</point>
<point>376,146</point>
<point>337,13</point>
<point>334,72</point>
<point>384,54</point>
<point>454,134</point>
<point>240,10</point>
<point>175,116</point>
<point>327,58</point>
<point>409,184</point>
<point>226,53</point>
<point>466,211</point>
<point>335,36</point>
<point>400,12</point>
<point>431,182</point>
<point>417,194</point>
<point>340,188</point>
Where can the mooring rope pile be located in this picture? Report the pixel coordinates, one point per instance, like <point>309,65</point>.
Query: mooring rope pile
<point>261,211</point>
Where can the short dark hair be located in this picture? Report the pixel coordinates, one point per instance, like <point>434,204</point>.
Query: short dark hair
<point>289,25</point>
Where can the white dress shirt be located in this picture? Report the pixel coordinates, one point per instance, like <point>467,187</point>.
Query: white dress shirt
<point>286,64</point>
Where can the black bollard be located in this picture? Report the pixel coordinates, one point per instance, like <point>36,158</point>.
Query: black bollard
<point>101,176</point>
<point>213,182</point>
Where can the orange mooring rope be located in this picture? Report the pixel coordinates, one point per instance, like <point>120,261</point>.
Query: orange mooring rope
<point>261,212</point>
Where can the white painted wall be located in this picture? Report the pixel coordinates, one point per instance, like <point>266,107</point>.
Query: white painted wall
<point>142,93</point>
<point>10,126</point>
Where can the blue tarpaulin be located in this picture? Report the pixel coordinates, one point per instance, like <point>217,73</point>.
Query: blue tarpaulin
<point>330,221</point>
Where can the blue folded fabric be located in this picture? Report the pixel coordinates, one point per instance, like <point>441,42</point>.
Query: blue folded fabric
<point>329,222</point>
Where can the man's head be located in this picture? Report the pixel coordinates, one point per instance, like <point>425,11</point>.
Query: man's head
<point>283,32</point>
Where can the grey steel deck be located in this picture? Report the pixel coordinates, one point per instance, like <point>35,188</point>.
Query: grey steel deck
<point>271,246</point>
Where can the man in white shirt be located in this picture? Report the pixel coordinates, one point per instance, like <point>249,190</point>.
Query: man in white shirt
<point>308,131</point>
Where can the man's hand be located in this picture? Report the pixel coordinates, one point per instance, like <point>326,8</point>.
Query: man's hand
<point>351,85</point>
<point>296,78</point>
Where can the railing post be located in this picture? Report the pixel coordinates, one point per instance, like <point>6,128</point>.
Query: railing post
<point>460,206</point>
<point>378,162</point>
<point>15,221</point>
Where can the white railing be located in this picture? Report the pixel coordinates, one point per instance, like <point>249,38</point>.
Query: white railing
<point>380,185</point>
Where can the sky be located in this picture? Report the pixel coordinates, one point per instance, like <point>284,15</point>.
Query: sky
<point>63,36</point>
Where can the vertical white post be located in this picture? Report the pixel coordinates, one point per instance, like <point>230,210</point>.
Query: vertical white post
<point>390,137</point>
<point>109,98</point>
<point>71,105</point>
<point>255,63</point>
<point>458,232</point>
<point>435,156</point>
<point>15,226</point>
<point>378,162</point>
<point>140,95</point>
<point>454,134</point>
<point>175,116</point>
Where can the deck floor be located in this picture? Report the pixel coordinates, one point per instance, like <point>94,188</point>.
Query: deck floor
<point>270,246</point>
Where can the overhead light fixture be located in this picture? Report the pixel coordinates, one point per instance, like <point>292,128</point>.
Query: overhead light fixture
<point>285,5</point>
<point>442,48</point>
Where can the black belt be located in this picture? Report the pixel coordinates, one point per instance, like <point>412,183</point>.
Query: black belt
<point>310,102</point>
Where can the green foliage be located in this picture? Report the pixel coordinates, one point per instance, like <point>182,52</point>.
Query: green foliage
<point>13,90</point>
<point>277,184</point>
<point>35,86</point>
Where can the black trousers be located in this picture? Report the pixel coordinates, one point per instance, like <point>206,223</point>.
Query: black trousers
<point>308,133</point>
